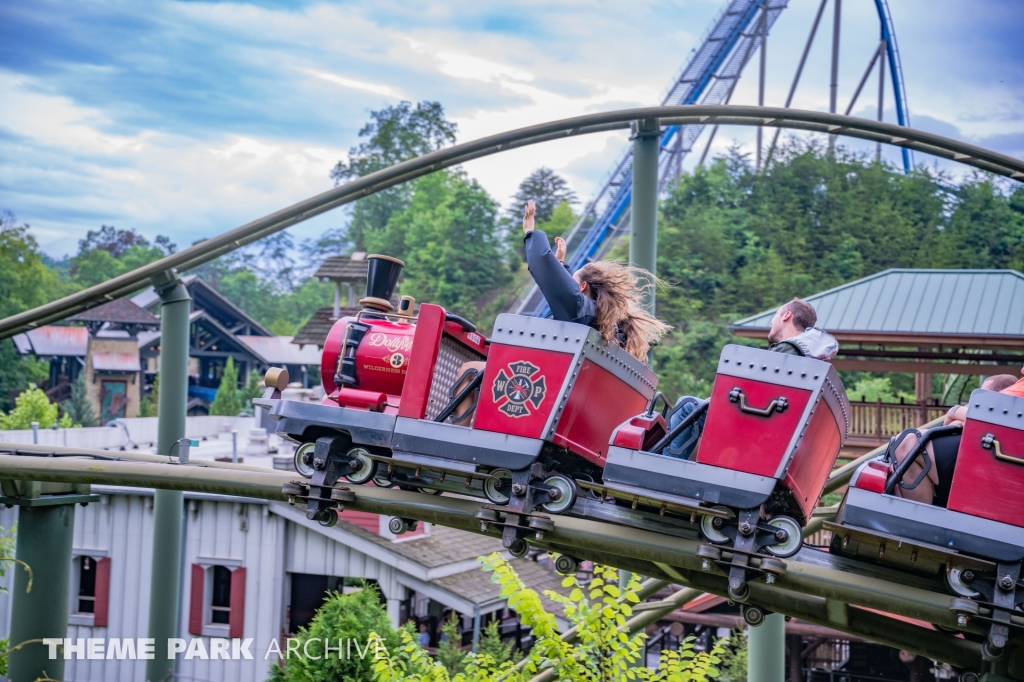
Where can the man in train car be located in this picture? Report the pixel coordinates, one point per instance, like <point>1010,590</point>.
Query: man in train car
<point>934,487</point>
<point>792,331</point>
<point>1017,389</point>
<point>1000,383</point>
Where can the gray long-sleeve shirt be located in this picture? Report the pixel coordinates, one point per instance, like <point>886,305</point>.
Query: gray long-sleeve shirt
<point>561,291</point>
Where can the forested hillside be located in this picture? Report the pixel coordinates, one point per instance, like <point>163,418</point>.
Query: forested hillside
<point>733,242</point>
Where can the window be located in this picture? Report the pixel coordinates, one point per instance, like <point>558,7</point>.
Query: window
<point>217,602</point>
<point>220,595</point>
<point>90,590</point>
<point>86,598</point>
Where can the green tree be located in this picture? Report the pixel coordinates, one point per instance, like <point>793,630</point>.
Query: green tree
<point>450,241</point>
<point>604,652</point>
<point>342,618</point>
<point>492,646</point>
<point>394,134</point>
<point>77,408</point>
<point>25,282</point>
<point>229,398</point>
<point>548,189</point>
<point>449,650</point>
<point>33,406</point>
<point>109,252</point>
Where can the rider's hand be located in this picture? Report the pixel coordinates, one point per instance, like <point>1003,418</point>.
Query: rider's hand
<point>531,210</point>
<point>560,249</point>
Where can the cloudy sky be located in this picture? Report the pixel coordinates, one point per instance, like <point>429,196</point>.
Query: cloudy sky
<point>190,118</point>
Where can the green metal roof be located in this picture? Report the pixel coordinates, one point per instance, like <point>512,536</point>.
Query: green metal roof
<point>907,301</point>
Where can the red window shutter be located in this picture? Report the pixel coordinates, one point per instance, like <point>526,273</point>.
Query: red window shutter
<point>102,604</point>
<point>195,615</point>
<point>236,620</point>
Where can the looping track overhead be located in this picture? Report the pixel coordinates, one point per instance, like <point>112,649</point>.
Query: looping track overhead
<point>795,119</point>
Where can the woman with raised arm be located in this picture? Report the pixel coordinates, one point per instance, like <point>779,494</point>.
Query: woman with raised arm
<point>605,295</point>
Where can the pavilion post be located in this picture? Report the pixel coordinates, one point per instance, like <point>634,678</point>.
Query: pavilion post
<point>168,507</point>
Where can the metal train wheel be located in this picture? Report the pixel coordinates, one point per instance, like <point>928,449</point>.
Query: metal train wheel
<point>567,565</point>
<point>519,548</point>
<point>497,491</point>
<point>328,518</point>
<point>794,537</point>
<point>958,579</point>
<point>304,459</point>
<point>567,494</point>
<point>382,481</point>
<point>707,526</point>
<point>365,466</point>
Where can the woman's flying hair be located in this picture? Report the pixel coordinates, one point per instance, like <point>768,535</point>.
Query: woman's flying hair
<point>617,290</point>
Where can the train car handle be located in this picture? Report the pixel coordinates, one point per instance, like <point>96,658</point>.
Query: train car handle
<point>737,395</point>
<point>654,401</point>
<point>990,442</point>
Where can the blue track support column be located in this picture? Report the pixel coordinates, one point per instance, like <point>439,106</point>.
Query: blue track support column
<point>643,234</point>
<point>44,543</point>
<point>168,507</point>
<point>766,660</point>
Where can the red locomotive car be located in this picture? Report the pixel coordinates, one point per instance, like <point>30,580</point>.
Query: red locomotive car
<point>976,543</point>
<point>549,399</point>
<point>775,426</point>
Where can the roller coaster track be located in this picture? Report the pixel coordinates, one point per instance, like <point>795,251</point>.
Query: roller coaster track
<point>817,587</point>
<point>796,119</point>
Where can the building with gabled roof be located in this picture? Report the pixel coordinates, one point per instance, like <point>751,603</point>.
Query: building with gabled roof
<point>277,566</point>
<point>346,272</point>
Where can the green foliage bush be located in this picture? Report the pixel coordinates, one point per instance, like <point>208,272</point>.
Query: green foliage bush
<point>605,650</point>
<point>345,617</point>
<point>33,406</point>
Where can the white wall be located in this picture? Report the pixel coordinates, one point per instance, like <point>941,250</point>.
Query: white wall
<point>141,431</point>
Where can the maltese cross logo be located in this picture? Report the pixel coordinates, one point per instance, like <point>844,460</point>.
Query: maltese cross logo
<point>519,388</point>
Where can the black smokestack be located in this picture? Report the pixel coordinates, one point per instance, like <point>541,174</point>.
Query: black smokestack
<point>381,279</point>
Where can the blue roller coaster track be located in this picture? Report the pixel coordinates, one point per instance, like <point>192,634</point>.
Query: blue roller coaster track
<point>709,77</point>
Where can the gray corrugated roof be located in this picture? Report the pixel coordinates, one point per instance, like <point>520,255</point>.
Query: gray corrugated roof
<point>962,302</point>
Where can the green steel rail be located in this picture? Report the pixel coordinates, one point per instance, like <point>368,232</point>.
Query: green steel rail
<point>815,588</point>
<point>795,119</point>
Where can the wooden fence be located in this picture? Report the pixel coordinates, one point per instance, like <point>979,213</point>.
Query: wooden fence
<point>881,421</point>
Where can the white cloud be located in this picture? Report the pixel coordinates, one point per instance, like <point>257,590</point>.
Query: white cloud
<point>375,88</point>
<point>64,171</point>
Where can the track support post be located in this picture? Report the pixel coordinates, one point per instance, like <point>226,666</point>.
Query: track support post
<point>44,543</point>
<point>168,505</point>
<point>767,650</point>
<point>643,234</point>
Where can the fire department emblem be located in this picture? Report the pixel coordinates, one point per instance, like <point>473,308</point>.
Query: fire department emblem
<point>519,388</point>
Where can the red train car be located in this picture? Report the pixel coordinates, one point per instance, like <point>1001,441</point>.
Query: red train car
<point>775,425</point>
<point>549,399</point>
<point>975,545</point>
